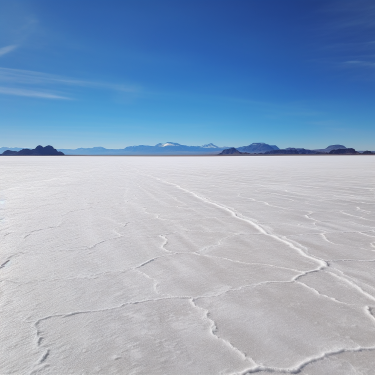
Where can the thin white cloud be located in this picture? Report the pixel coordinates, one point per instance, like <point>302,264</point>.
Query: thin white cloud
<point>43,85</point>
<point>30,93</point>
<point>349,14</point>
<point>360,63</point>
<point>7,49</point>
<point>18,76</point>
<point>348,32</point>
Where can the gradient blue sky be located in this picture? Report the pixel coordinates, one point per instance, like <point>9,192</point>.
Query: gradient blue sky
<point>112,73</point>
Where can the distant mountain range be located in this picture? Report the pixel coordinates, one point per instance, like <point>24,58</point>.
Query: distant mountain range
<point>330,148</point>
<point>303,151</point>
<point>168,148</point>
<point>333,149</point>
<point>173,148</point>
<point>264,148</point>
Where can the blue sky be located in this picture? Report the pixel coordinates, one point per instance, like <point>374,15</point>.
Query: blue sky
<point>118,73</point>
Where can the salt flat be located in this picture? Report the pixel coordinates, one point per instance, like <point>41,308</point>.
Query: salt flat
<point>187,265</point>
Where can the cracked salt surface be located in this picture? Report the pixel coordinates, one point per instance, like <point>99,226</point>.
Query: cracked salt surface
<point>131,265</point>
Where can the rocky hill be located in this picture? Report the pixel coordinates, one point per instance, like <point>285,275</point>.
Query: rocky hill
<point>37,151</point>
<point>232,151</point>
<point>292,151</point>
<point>257,148</point>
<point>344,151</point>
<point>328,149</point>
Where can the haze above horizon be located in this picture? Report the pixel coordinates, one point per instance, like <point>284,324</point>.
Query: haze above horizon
<point>121,73</point>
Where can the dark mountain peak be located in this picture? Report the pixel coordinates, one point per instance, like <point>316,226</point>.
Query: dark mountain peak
<point>344,151</point>
<point>9,153</point>
<point>330,148</point>
<point>47,150</point>
<point>209,145</point>
<point>37,151</point>
<point>231,151</point>
<point>257,148</point>
<point>293,151</point>
<point>335,147</point>
<point>287,151</point>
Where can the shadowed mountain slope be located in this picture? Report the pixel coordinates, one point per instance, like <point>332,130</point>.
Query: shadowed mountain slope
<point>330,148</point>
<point>344,151</point>
<point>232,151</point>
<point>257,148</point>
<point>37,151</point>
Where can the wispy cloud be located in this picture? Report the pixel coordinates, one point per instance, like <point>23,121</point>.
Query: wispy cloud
<point>42,83</point>
<point>7,49</point>
<point>359,63</point>
<point>349,14</point>
<point>30,93</point>
<point>32,77</point>
<point>348,30</point>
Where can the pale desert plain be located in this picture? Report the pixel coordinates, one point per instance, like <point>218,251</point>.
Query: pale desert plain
<point>187,265</point>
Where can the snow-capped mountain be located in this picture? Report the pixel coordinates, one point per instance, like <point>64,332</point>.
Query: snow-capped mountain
<point>167,144</point>
<point>167,148</point>
<point>174,144</point>
<point>210,145</point>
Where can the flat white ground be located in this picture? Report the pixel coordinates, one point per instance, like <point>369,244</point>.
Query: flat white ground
<point>187,265</point>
